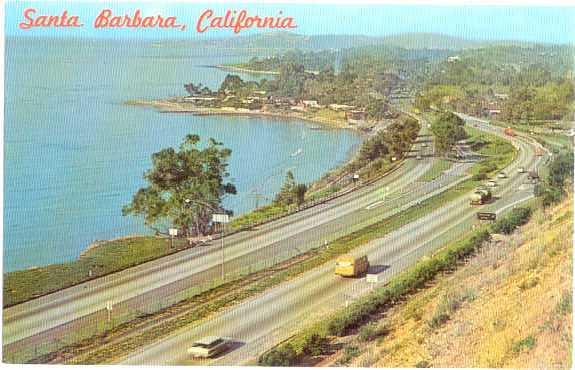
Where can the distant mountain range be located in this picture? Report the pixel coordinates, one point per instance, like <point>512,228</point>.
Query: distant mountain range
<point>410,41</point>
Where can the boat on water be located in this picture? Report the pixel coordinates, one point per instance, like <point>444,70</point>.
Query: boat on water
<point>297,152</point>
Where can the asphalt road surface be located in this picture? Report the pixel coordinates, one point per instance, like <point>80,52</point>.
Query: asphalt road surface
<point>50,318</point>
<point>259,323</point>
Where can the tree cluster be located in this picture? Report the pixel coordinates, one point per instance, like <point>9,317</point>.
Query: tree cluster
<point>552,190</point>
<point>185,187</point>
<point>394,141</point>
<point>447,129</point>
<point>291,192</point>
<point>538,81</point>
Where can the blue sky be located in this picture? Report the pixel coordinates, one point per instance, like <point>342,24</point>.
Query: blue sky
<point>533,23</point>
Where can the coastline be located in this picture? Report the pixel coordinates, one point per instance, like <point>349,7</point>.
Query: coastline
<point>244,70</point>
<point>165,106</point>
<point>233,68</point>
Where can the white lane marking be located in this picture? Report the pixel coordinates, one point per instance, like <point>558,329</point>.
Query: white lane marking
<point>373,205</point>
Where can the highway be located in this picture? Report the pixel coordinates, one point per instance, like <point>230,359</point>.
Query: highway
<point>53,318</point>
<point>259,323</point>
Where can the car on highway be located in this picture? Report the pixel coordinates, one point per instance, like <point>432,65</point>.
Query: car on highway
<point>480,196</point>
<point>502,175</point>
<point>491,183</point>
<point>208,347</point>
<point>350,266</point>
<point>521,170</point>
<point>424,145</point>
<point>418,157</point>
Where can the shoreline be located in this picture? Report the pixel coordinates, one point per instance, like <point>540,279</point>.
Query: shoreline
<point>164,106</point>
<point>233,68</point>
<point>244,70</point>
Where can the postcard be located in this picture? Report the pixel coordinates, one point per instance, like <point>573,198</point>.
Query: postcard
<point>333,184</point>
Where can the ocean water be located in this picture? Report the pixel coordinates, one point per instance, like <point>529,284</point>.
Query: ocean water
<point>74,154</point>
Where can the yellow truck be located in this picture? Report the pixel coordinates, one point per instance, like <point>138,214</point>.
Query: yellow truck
<point>350,266</point>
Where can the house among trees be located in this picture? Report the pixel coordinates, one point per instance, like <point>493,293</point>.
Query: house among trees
<point>298,108</point>
<point>341,107</point>
<point>491,108</point>
<point>311,104</point>
<point>355,117</point>
<point>280,101</point>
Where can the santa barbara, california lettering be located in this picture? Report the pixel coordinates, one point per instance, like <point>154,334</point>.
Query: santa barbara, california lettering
<point>34,20</point>
<point>239,20</point>
<point>107,19</point>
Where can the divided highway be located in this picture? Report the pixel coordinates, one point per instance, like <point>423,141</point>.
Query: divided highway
<point>261,322</point>
<point>50,318</point>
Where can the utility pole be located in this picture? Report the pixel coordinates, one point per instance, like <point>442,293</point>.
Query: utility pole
<point>109,308</point>
<point>223,251</point>
<point>222,219</point>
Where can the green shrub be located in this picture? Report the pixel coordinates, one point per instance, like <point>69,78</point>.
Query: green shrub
<point>529,283</point>
<point>282,355</point>
<point>313,345</point>
<point>479,176</point>
<point>438,319</point>
<point>565,305</point>
<point>526,343</point>
<point>349,352</point>
<point>371,331</point>
<point>517,217</point>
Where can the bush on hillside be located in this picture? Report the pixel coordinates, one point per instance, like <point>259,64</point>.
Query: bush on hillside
<point>517,217</point>
<point>283,355</point>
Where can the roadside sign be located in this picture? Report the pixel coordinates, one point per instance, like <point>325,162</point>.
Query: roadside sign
<point>173,232</point>
<point>372,278</point>
<point>490,216</point>
<point>221,218</point>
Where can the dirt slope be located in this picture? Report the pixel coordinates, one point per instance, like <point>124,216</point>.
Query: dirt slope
<point>508,306</point>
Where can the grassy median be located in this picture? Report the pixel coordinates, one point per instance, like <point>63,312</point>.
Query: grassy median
<point>239,291</point>
<point>190,312</point>
<point>315,340</point>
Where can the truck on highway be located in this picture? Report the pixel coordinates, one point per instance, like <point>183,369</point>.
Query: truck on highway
<point>350,266</point>
<point>486,216</point>
<point>480,196</point>
<point>509,131</point>
<point>533,176</point>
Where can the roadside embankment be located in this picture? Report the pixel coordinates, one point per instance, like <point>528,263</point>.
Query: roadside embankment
<point>505,304</point>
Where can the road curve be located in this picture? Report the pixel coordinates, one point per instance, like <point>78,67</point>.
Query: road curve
<point>50,317</point>
<point>260,322</point>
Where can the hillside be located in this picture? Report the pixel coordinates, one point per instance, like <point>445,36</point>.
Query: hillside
<point>408,41</point>
<point>432,41</point>
<point>508,306</point>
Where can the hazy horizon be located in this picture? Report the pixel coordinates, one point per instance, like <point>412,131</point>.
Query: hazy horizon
<point>536,24</point>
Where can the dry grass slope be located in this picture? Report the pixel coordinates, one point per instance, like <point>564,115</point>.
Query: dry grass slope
<point>508,306</point>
